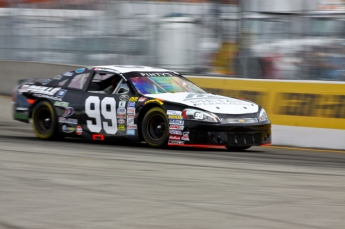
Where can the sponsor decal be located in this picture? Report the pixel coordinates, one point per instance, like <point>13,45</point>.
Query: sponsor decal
<point>20,116</point>
<point>132,127</point>
<point>176,142</point>
<point>68,120</point>
<point>176,127</point>
<point>121,127</point>
<point>124,97</point>
<point>174,137</point>
<point>61,93</point>
<point>185,136</point>
<point>39,89</point>
<point>80,70</point>
<point>131,104</point>
<point>68,73</point>
<point>142,99</point>
<point>133,99</point>
<point>175,132</point>
<point>58,77</point>
<point>122,104</point>
<point>79,130</point>
<point>130,120</point>
<point>68,112</point>
<point>47,97</point>
<point>176,122</point>
<point>156,74</point>
<point>61,104</point>
<point>175,117</point>
<point>154,101</point>
<point>130,110</point>
<point>121,121</point>
<point>172,112</point>
<point>121,115</point>
<point>121,110</point>
<point>130,132</point>
<point>67,129</point>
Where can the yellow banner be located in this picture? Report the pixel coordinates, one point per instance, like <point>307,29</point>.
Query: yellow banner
<point>308,104</point>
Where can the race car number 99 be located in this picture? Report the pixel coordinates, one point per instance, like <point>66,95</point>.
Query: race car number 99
<point>107,107</point>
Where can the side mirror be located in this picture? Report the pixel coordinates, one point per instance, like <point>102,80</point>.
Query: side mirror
<point>123,90</point>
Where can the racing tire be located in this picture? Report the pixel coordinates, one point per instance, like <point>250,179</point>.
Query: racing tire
<point>237,148</point>
<point>155,128</point>
<point>44,121</point>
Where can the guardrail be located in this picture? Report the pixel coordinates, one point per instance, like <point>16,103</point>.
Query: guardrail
<point>303,113</point>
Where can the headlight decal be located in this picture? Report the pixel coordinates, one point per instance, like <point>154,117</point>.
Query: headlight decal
<point>198,115</point>
<point>263,115</point>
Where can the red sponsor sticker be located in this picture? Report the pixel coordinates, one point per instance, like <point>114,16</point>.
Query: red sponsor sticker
<point>79,130</point>
<point>176,127</point>
<point>174,137</point>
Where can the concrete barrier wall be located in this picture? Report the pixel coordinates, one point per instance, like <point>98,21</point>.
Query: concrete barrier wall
<point>300,129</point>
<point>12,71</point>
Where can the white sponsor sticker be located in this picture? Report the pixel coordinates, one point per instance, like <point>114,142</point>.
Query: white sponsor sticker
<point>121,110</point>
<point>173,112</point>
<point>132,127</point>
<point>176,127</point>
<point>185,136</point>
<point>130,110</point>
<point>122,104</point>
<point>175,132</point>
<point>68,120</point>
<point>174,137</point>
<point>176,122</point>
<point>176,142</point>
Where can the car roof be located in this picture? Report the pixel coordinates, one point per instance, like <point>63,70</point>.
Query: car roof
<point>129,68</point>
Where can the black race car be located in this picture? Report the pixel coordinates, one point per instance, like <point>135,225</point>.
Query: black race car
<point>139,103</point>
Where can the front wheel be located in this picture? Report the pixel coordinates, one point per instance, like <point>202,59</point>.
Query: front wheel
<point>44,121</point>
<point>155,127</point>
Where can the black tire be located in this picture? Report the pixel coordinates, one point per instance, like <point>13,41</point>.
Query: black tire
<point>44,121</point>
<point>237,148</point>
<point>155,128</point>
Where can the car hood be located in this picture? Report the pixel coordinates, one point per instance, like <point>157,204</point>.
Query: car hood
<point>209,102</point>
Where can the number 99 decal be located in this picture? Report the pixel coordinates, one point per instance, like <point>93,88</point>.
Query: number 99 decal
<point>107,107</point>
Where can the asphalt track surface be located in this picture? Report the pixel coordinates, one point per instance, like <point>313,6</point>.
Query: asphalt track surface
<point>81,184</point>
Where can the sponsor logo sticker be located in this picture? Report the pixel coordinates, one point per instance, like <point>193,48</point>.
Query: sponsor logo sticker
<point>58,77</point>
<point>176,122</point>
<point>121,110</point>
<point>67,129</point>
<point>122,104</point>
<point>175,117</point>
<point>39,89</point>
<point>61,104</point>
<point>175,132</point>
<point>176,127</point>
<point>79,130</point>
<point>121,121</point>
<point>121,115</point>
<point>173,112</point>
<point>130,120</point>
<point>121,127</point>
<point>61,93</point>
<point>68,120</point>
<point>176,142</point>
<point>185,136</point>
<point>130,110</point>
<point>68,112</point>
<point>68,74</point>
<point>131,104</point>
<point>130,132</point>
<point>174,137</point>
<point>142,99</point>
<point>132,127</point>
<point>133,99</point>
<point>124,97</point>
<point>80,70</point>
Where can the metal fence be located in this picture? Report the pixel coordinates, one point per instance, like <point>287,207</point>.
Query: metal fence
<point>176,35</point>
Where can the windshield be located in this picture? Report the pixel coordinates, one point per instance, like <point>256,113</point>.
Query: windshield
<point>163,83</point>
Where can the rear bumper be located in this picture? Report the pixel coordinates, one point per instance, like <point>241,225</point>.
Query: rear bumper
<point>225,135</point>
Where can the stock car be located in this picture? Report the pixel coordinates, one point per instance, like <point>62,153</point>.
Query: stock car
<point>138,103</point>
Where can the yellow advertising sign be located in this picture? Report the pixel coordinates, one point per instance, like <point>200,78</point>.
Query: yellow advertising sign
<point>292,103</point>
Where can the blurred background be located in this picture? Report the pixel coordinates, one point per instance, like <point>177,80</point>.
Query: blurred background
<point>264,39</point>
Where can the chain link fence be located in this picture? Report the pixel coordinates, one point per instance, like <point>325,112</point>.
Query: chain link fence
<point>183,36</point>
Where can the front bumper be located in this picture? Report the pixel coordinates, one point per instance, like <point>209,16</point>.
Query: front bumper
<point>228,135</point>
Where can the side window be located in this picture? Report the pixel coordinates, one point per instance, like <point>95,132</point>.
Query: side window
<point>104,83</point>
<point>79,81</point>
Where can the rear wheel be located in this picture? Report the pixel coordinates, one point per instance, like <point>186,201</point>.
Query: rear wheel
<point>44,121</point>
<point>155,127</point>
<point>237,148</point>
